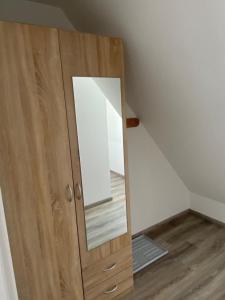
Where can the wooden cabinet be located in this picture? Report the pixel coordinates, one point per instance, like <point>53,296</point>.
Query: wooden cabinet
<point>111,288</point>
<point>39,160</point>
<point>107,268</point>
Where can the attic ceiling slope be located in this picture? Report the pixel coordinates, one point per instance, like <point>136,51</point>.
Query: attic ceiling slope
<point>72,9</point>
<point>175,61</point>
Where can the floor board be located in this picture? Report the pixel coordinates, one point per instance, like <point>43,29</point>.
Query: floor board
<point>194,269</point>
<point>107,220</point>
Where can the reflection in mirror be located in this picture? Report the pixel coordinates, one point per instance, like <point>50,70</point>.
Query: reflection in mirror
<point>100,138</point>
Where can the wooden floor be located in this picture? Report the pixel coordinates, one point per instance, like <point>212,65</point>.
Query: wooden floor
<point>107,221</point>
<point>194,269</point>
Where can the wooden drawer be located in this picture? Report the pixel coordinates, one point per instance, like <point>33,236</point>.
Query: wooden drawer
<point>107,268</point>
<point>111,288</point>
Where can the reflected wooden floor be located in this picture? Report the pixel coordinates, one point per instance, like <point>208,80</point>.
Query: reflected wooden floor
<point>194,269</point>
<point>106,221</point>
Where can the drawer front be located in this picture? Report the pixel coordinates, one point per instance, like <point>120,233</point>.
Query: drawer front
<point>107,268</point>
<point>111,288</point>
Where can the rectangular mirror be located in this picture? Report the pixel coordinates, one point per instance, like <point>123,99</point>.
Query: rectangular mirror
<point>100,138</point>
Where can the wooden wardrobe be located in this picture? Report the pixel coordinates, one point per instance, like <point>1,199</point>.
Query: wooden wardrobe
<point>40,164</point>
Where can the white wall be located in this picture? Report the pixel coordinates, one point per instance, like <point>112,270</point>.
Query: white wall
<point>156,190</point>
<point>208,207</point>
<point>111,89</point>
<point>91,117</point>
<point>7,280</point>
<point>115,138</point>
<point>23,11</point>
<point>174,53</point>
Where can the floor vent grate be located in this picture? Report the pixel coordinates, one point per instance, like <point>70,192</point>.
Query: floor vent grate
<point>145,252</point>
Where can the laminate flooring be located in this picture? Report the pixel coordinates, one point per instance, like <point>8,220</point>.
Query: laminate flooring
<point>194,269</point>
<point>107,220</point>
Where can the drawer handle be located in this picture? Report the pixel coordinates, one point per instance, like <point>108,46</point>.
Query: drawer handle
<point>115,288</point>
<point>112,267</point>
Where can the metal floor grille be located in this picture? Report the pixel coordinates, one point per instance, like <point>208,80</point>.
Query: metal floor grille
<point>145,252</point>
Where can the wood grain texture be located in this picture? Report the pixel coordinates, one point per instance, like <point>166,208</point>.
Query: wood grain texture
<point>122,282</point>
<point>194,269</point>
<point>35,165</point>
<point>91,55</point>
<point>97,273</point>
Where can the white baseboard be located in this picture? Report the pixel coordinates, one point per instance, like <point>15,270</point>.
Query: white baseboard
<point>208,207</point>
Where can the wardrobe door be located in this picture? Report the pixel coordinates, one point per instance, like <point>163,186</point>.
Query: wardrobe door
<point>88,55</point>
<point>35,165</point>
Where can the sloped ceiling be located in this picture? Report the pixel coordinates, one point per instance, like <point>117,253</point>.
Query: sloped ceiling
<point>23,11</point>
<point>175,65</point>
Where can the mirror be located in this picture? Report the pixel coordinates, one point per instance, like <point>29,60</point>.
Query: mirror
<point>100,139</point>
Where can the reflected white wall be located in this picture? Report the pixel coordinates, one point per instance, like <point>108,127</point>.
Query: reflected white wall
<point>90,107</point>
<point>115,137</point>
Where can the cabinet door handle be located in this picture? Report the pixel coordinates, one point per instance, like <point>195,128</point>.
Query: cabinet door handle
<point>78,192</point>
<point>69,193</point>
<point>115,288</point>
<point>112,267</point>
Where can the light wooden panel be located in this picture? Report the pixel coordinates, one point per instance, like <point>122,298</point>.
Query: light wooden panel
<point>91,55</point>
<point>35,165</point>
<point>97,273</point>
<point>122,282</point>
